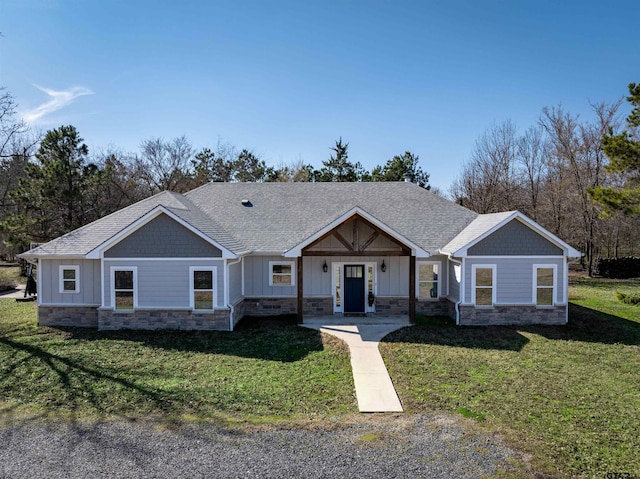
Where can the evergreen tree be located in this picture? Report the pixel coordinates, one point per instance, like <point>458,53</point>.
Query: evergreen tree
<point>59,192</point>
<point>338,168</point>
<point>399,168</point>
<point>623,151</point>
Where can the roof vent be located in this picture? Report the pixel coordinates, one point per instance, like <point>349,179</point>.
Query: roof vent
<point>247,203</point>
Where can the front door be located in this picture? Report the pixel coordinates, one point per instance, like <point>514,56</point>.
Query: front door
<point>354,288</point>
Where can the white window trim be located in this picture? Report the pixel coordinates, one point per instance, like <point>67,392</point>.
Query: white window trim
<point>554,295</point>
<point>113,285</point>
<point>61,270</point>
<point>494,281</point>
<point>438,281</point>
<point>282,263</point>
<point>214,285</point>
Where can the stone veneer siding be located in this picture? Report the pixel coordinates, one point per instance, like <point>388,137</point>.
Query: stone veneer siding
<point>442,307</point>
<point>317,306</point>
<point>391,306</point>
<point>150,319</point>
<point>71,316</point>
<point>501,315</point>
<point>270,306</point>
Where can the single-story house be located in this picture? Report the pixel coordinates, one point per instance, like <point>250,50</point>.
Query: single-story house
<point>206,258</point>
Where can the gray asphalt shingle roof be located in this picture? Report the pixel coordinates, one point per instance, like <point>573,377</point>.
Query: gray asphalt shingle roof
<point>283,215</point>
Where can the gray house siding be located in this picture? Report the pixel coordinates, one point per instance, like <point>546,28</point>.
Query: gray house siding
<point>89,282</point>
<point>514,239</point>
<point>514,280</point>
<point>256,276</point>
<point>162,283</point>
<point>235,282</point>
<point>454,283</point>
<point>393,282</point>
<point>163,237</point>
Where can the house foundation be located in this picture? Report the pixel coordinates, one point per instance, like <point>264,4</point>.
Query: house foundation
<point>187,320</point>
<point>508,315</point>
<point>68,316</point>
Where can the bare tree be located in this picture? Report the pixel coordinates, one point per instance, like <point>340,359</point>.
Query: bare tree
<point>166,165</point>
<point>577,148</point>
<point>488,182</point>
<point>532,156</point>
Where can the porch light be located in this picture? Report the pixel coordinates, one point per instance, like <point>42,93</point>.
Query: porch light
<point>325,268</point>
<point>383,267</point>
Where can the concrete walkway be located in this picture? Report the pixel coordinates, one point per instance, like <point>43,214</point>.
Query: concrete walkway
<point>374,389</point>
<point>14,293</point>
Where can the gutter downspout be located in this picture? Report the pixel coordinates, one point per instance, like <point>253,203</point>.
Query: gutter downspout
<point>231,309</point>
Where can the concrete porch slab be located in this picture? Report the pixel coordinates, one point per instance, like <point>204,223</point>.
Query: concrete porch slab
<point>374,389</point>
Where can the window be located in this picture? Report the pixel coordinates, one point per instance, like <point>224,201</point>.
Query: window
<point>123,294</point>
<point>202,286</point>
<point>483,289</point>
<point>428,280</point>
<point>544,280</point>
<point>69,279</point>
<point>281,273</point>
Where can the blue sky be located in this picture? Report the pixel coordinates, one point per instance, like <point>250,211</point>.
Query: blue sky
<point>288,78</point>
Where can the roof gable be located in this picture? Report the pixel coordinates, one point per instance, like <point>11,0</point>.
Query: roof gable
<point>514,238</point>
<point>297,249</point>
<point>144,220</point>
<point>162,237</point>
<point>485,225</point>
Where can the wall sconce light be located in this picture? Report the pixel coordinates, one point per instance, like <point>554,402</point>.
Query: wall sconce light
<point>325,268</point>
<point>383,267</point>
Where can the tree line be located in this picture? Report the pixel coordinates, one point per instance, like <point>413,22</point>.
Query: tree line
<point>580,179</point>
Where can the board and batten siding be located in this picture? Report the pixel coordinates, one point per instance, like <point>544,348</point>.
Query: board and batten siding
<point>393,282</point>
<point>235,282</point>
<point>514,280</point>
<point>256,277</point>
<point>515,239</point>
<point>454,282</point>
<point>89,282</point>
<point>163,237</point>
<point>163,284</point>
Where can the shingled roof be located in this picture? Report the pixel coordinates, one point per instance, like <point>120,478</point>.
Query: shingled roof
<point>275,217</point>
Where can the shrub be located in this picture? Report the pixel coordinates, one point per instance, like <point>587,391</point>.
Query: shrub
<point>628,298</point>
<point>619,268</point>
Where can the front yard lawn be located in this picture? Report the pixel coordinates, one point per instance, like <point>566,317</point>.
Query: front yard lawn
<point>567,395</point>
<point>265,369</point>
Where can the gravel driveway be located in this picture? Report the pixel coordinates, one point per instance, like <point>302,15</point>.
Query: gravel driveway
<point>402,446</point>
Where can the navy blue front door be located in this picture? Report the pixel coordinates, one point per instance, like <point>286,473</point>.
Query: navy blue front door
<point>354,289</point>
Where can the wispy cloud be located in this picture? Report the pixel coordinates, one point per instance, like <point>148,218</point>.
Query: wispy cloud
<point>58,99</point>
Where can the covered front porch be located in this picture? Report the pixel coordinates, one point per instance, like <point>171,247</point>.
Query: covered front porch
<point>370,271</point>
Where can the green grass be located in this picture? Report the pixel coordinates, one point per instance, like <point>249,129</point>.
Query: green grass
<point>567,395</point>
<point>263,371</point>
